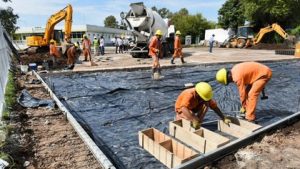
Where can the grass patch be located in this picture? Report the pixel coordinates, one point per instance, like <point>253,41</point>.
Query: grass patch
<point>10,96</point>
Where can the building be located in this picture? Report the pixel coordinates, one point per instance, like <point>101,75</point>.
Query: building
<point>77,33</point>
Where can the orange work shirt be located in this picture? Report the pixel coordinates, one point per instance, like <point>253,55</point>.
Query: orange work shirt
<point>155,44</point>
<point>192,101</point>
<point>86,44</point>
<point>53,50</point>
<point>247,73</point>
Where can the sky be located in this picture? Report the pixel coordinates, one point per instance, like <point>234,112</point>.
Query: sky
<point>35,13</point>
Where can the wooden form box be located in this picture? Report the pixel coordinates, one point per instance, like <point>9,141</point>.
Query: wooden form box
<point>167,150</point>
<point>238,128</point>
<point>202,140</point>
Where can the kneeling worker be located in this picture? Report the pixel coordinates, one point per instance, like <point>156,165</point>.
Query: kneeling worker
<point>250,78</point>
<point>192,104</point>
<point>72,56</point>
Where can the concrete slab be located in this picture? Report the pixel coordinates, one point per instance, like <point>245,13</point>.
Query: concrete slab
<point>192,56</point>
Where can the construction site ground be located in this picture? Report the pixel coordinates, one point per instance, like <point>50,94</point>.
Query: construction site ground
<point>49,141</point>
<point>43,138</point>
<point>192,56</point>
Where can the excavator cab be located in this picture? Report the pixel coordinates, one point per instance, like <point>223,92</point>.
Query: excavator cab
<point>245,31</point>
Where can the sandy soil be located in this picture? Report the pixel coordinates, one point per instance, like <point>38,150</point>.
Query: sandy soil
<point>278,150</point>
<point>44,138</point>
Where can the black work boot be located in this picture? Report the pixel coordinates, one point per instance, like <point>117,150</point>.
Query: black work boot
<point>172,61</point>
<point>182,60</point>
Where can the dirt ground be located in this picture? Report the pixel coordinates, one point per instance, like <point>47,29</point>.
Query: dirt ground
<point>43,138</point>
<point>278,150</point>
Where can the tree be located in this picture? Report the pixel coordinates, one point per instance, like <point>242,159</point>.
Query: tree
<point>263,12</point>
<point>111,22</point>
<point>8,19</point>
<point>231,14</point>
<point>194,25</point>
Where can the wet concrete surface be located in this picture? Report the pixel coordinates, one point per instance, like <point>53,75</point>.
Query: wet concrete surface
<point>114,106</point>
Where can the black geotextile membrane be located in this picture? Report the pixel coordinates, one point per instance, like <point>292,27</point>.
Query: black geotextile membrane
<point>114,106</point>
<point>26,100</point>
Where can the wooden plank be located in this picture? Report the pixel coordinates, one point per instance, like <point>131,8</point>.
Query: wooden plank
<point>214,140</point>
<point>245,124</point>
<point>233,129</point>
<point>187,137</point>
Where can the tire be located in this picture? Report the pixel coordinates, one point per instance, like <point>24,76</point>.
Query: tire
<point>241,43</point>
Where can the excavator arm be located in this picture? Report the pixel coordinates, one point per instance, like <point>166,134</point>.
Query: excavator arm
<point>66,14</point>
<point>274,27</point>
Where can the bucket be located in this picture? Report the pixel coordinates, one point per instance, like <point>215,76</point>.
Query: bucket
<point>297,50</point>
<point>32,66</point>
<point>24,68</point>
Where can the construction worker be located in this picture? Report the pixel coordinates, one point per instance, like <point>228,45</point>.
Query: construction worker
<point>211,42</point>
<point>155,53</point>
<point>72,56</point>
<point>86,46</point>
<point>177,48</point>
<point>96,45</point>
<point>54,54</point>
<point>250,78</point>
<point>193,103</point>
<point>102,43</point>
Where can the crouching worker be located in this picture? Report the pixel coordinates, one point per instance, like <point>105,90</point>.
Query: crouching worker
<point>250,78</point>
<point>54,53</point>
<point>72,54</point>
<point>192,104</point>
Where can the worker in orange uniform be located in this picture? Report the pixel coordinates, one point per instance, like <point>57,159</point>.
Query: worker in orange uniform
<point>177,48</point>
<point>72,56</point>
<point>156,53</point>
<point>192,104</point>
<point>86,46</point>
<point>250,78</point>
<point>54,54</point>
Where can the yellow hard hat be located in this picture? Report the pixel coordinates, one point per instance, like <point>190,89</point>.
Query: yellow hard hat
<point>84,36</point>
<point>221,76</point>
<point>52,41</point>
<point>158,32</point>
<point>76,45</point>
<point>204,90</point>
<point>178,33</point>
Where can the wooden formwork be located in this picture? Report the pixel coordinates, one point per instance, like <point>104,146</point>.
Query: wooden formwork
<point>238,128</point>
<point>167,150</point>
<point>202,140</point>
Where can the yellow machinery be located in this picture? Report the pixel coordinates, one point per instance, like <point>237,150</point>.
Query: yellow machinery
<point>245,38</point>
<point>39,41</point>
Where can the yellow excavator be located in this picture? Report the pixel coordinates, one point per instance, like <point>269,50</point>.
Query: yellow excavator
<point>245,38</point>
<point>36,42</point>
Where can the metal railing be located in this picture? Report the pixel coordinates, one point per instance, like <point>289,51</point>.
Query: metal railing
<point>5,60</point>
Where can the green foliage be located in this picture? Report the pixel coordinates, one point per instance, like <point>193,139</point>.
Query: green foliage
<point>263,12</point>
<point>9,20</point>
<point>194,25</point>
<point>296,31</point>
<point>111,22</point>
<point>10,95</point>
<point>231,14</point>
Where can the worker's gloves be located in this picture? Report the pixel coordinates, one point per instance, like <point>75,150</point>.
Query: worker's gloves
<point>242,110</point>
<point>157,51</point>
<point>196,124</point>
<point>227,120</point>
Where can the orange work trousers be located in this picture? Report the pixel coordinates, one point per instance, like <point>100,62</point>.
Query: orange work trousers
<point>87,54</point>
<point>177,53</point>
<point>253,94</point>
<point>200,114</point>
<point>155,62</point>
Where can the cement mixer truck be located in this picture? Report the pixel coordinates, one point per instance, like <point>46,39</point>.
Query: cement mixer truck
<point>143,22</point>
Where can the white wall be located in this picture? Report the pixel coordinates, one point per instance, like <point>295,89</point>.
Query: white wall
<point>220,34</point>
<point>4,67</point>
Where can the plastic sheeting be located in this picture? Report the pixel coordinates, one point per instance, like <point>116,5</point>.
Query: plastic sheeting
<point>26,100</point>
<point>114,106</point>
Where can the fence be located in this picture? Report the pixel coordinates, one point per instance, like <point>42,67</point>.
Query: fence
<point>5,59</point>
